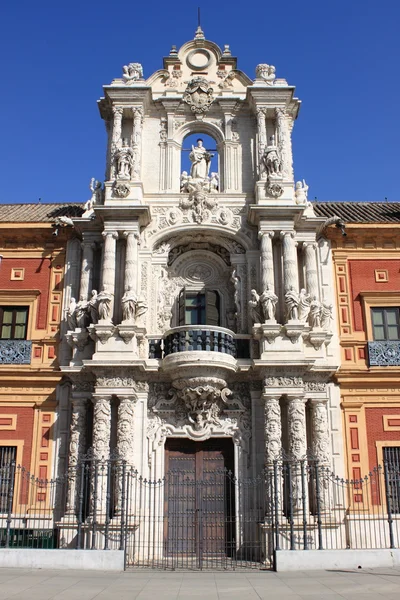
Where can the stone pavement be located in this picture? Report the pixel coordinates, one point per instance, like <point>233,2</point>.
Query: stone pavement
<point>371,584</point>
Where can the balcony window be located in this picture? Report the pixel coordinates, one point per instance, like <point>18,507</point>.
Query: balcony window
<point>199,308</point>
<point>13,322</point>
<point>386,324</point>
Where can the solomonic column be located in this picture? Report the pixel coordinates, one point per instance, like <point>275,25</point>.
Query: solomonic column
<point>101,494</point>
<point>77,446</point>
<point>321,451</point>
<point>297,441</point>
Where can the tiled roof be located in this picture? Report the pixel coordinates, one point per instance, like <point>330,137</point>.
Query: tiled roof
<point>360,212</point>
<point>38,213</point>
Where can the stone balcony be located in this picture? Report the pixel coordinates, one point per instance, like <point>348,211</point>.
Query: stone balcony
<point>384,354</point>
<point>15,352</point>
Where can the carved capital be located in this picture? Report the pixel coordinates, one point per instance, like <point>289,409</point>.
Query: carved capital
<point>113,234</point>
<point>306,245</point>
<point>291,233</point>
<point>117,111</point>
<point>262,234</point>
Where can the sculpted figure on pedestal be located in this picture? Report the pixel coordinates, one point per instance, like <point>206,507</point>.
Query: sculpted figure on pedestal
<point>292,304</point>
<point>268,302</point>
<point>129,304</point>
<point>104,300</point>
<point>201,161</point>
<point>124,161</point>
<point>92,308</point>
<point>266,72</point>
<point>304,305</point>
<point>132,72</point>
<point>214,182</point>
<point>272,161</point>
<point>71,316</point>
<point>326,315</point>
<point>255,308</point>
<point>301,192</point>
<point>81,314</point>
<point>314,318</point>
<point>184,181</point>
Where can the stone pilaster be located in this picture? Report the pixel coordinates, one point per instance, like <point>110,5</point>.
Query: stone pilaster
<point>320,445</point>
<point>297,442</point>
<point>267,261</point>
<point>131,260</point>
<point>86,269</point>
<point>101,426</point>
<point>77,446</point>
<point>290,266</point>
<point>310,262</point>
<point>108,273</point>
<point>284,142</point>
<point>126,416</point>
<point>273,429</point>
<point>116,135</point>
<point>137,141</point>
<point>262,138</point>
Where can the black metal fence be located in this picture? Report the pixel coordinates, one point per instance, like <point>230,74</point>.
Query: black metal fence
<point>216,521</point>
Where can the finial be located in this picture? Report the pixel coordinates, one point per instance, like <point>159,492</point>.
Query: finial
<point>173,51</point>
<point>227,50</point>
<point>199,35</point>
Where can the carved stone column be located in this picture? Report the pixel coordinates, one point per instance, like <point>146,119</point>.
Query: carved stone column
<point>290,266</point>
<point>77,446</point>
<point>86,269</point>
<point>267,261</point>
<point>297,440</point>
<point>262,138</point>
<point>273,429</point>
<point>101,453</point>
<point>137,141</point>
<point>108,274</point>
<point>126,416</point>
<point>131,260</point>
<point>284,142</point>
<point>116,135</point>
<point>310,261</point>
<point>321,450</point>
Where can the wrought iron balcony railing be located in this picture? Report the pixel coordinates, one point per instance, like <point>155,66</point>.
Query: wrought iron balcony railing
<point>384,354</point>
<point>15,352</point>
<point>199,338</point>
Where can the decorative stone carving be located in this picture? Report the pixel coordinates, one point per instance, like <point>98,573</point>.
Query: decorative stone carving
<point>314,317</point>
<point>132,72</point>
<point>81,314</point>
<point>274,190</point>
<point>77,440</point>
<point>171,78</point>
<point>273,430</point>
<point>71,315</point>
<point>326,315</point>
<point>304,305</point>
<point>214,248</point>
<point>292,304</point>
<point>163,130</point>
<point>201,162</point>
<point>296,420</point>
<point>255,308</point>
<point>268,301</point>
<point>198,95</point>
<point>266,73</point>
<point>124,161</point>
<point>121,190</point>
<point>113,379</point>
<point>126,415</point>
<point>101,426</point>
<point>272,162</point>
<point>104,303</point>
<point>129,304</point>
<point>97,197</point>
<point>315,386</point>
<point>301,192</point>
<point>199,202</point>
<point>284,142</point>
<point>283,381</point>
<point>92,307</point>
<point>320,432</point>
<point>227,79</point>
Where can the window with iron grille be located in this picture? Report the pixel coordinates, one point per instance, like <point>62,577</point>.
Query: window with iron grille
<point>13,322</point>
<point>391,456</point>
<point>8,455</point>
<point>386,323</point>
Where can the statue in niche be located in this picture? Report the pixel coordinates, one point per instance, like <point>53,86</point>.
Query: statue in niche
<point>214,182</point>
<point>272,162</point>
<point>184,181</point>
<point>104,300</point>
<point>268,300</point>
<point>292,304</point>
<point>314,318</point>
<point>255,308</point>
<point>326,315</point>
<point>129,304</point>
<point>201,161</point>
<point>71,316</point>
<point>124,159</point>
<point>301,192</point>
<point>304,305</point>
<point>81,315</point>
<point>92,308</point>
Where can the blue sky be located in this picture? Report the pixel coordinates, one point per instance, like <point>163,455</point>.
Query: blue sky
<point>343,56</point>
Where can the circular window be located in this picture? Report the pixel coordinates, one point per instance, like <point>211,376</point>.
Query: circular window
<point>198,59</point>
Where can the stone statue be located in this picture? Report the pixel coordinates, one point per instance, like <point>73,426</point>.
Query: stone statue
<point>71,316</point>
<point>92,308</point>
<point>129,304</point>
<point>184,181</point>
<point>255,308</point>
<point>214,182</point>
<point>132,72</point>
<point>201,161</point>
<point>301,192</point>
<point>292,304</point>
<point>326,315</point>
<point>236,284</point>
<point>141,307</point>
<point>231,320</point>
<point>314,318</point>
<point>104,300</point>
<point>266,72</point>
<point>268,302</point>
<point>124,161</point>
<point>272,161</point>
<point>81,315</point>
<point>304,305</point>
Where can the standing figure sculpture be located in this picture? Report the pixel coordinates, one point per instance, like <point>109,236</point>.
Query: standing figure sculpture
<point>272,162</point>
<point>301,192</point>
<point>326,315</point>
<point>81,315</point>
<point>292,304</point>
<point>124,161</point>
<point>255,308</point>
<point>71,317</point>
<point>104,300</point>
<point>314,318</point>
<point>129,304</point>
<point>268,302</point>
<point>304,305</point>
<point>92,308</point>
<point>201,161</point>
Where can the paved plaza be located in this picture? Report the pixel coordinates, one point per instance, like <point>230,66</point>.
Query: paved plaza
<point>24,584</point>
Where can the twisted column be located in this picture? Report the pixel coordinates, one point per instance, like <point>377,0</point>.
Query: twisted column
<point>86,269</point>
<point>284,142</point>
<point>310,261</point>
<point>290,266</point>
<point>131,260</point>
<point>77,444</point>
<point>267,260</point>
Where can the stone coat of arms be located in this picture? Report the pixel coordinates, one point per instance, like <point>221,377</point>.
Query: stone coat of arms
<point>198,95</point>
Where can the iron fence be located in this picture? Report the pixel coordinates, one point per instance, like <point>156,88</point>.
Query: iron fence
<point>212,521</point>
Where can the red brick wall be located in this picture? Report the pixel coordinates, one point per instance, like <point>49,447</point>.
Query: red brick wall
<point>362,279</point>
<point>37,277</point>
<point>23,432</point>
<point>375,432</point>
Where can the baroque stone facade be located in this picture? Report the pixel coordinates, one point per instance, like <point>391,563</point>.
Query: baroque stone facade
<point>204,303</point>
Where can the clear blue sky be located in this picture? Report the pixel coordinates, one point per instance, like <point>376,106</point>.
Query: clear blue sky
<point>343,56</point>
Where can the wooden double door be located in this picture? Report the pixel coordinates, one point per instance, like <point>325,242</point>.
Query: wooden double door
<point>199,501</point>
